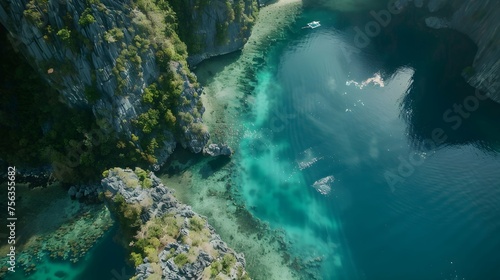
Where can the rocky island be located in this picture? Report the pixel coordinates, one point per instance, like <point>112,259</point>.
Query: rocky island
<point>169,241</point>
<point>125,66</point>
<point>89,88</point>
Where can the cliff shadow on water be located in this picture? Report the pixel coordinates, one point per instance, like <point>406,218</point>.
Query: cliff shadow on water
<point>439,101</point>
<point>183,160</point>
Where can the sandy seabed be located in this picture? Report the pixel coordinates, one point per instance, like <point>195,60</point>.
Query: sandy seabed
<point>208,186</point>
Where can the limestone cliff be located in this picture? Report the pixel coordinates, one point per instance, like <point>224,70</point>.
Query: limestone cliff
<point>212,28</point>
<point>479,21</point>
<point>124,61</point>
<point>170,240</point>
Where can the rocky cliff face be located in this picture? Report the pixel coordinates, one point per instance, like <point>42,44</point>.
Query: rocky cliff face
<point>172,241</point>
<point>103,54</point>
<point>479,21</point>
<point>79,59</point>
<point>212,28</point>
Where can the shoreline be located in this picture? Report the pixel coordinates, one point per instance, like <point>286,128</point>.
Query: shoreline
<point>209,185</point>
<point>222,98</point>
<point>265,249</point>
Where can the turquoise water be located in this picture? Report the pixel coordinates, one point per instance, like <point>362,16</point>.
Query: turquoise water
<point>334,150</point>
<point>105,261</point>
<point>315,114</point>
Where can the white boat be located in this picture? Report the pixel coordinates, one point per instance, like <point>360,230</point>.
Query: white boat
<point>313,24</point>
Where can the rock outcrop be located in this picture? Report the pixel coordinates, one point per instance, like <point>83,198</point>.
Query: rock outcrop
<point>212,28</point>
<point>171,241</point>
<point>84,191</point>
<point>479,21</point>
<point>103,55</point>
<point>195,134</point>
<point>215,150</point>
<point>34,177</point>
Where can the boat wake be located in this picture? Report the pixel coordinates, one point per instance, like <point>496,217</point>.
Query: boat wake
<point>307,159</point>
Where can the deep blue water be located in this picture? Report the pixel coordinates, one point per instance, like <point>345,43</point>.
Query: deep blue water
<point>392,205</point>
<point>437,218</point>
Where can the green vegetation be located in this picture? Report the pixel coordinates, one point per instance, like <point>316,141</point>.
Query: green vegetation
<point>156,22</point>
<point>242,12</point>
<point>114,35</point>
<point>196,223</point>
<point>129,213</point>
<point>170,119</point>
<point>86,18</point>
<point>198,128</point>
<point>223,266</point>
<point>180,260</point>
<point>228,261</point>
<point>241,274</point>
<point>184,12</point>
<point>35,12</point>
<point>153,236</point>
<point>73,140</point>
<point>144,179</point>
<point>136,258</point>
<point>64,34</point>
<point>148,120</point>
<point>215,269</point>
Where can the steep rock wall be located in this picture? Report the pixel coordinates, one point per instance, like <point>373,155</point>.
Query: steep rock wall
<point>101,55</point>
<point>479,21</point>
<point>212,28</point>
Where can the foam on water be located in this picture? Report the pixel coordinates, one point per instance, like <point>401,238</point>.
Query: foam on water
<point>307,158</point>
<point>324,185</point>
<point>274,187</point>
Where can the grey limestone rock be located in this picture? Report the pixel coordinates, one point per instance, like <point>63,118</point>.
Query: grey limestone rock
<point>218,30</point>
<point>217,150</point>
<point>98,65</point>
<point>118,181</point>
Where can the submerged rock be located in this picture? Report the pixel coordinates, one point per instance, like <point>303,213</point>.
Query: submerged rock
<point>215,150</point>
<point>89,191</point>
